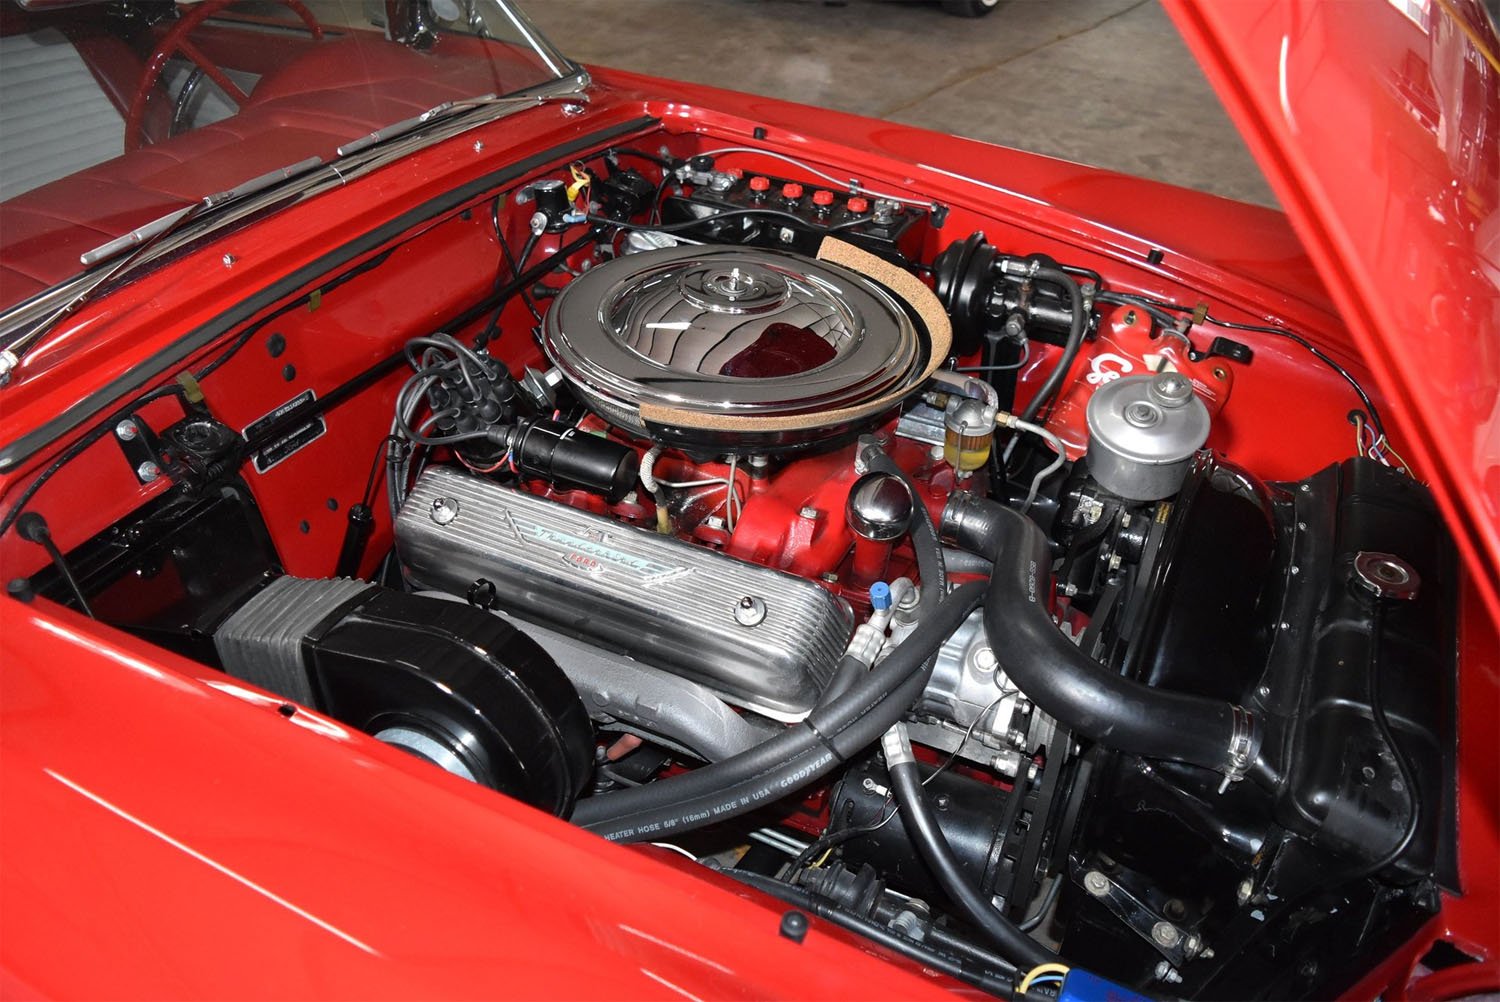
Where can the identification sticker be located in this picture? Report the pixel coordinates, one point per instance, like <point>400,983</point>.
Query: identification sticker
<point>268,456</point>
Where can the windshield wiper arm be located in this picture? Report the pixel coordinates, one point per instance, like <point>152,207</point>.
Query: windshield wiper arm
<point>261,182</point>
<point>446,110</point>
<point>136,243</point>
<point>395,129</point>
<point>140,235</point>
<point>149,232</point>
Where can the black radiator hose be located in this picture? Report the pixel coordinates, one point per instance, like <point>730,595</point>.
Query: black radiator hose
<point>1094,702</point>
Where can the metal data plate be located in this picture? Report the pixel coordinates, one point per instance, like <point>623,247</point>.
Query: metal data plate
<point>668,603</point>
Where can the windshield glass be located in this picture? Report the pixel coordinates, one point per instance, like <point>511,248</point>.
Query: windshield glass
<point>112,114</point>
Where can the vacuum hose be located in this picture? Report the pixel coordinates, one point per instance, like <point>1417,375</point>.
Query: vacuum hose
<point>1076,330</point>
<point>1063,681</point>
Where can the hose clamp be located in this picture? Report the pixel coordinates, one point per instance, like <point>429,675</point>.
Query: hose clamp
<point>1244,745</point>
<point>897,746</point>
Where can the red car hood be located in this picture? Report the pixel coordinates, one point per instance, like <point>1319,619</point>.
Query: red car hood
<point>1378,126</point>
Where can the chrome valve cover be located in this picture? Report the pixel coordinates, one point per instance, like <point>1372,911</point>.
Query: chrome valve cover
<point>765,640</point>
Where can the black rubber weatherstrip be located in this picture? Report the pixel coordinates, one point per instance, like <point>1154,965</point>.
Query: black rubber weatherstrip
<point>32,442</point>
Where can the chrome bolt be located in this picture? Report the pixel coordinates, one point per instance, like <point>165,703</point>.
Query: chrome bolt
<point>228,260</point>
<point>126,430</point>
<point>1096,883</point>
<point>1243,892</point>
<point>809,512</point>
<point>1166,972</point>
<point>1007,763</point>
<point>478,146</point>
<point>750,611</point>
<point>1172,389</point>
<point>148,471</point>
<point>444,510</point>
<point>1166,934</point>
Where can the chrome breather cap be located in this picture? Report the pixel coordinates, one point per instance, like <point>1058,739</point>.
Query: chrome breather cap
<point>879,507</point>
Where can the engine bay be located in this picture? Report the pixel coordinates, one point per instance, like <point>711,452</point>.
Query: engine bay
<point>954,582</point>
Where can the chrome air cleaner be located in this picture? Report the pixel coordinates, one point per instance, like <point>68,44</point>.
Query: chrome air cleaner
<point>738,348</point>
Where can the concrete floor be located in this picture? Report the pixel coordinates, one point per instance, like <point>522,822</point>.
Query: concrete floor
<point>1105,82</point>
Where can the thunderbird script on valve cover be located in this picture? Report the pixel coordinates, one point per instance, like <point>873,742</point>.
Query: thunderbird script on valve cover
<point>475,525</point>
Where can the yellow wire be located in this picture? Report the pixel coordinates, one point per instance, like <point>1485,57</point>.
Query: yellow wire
<point>1386,445</point>
<point>1037,972</point>
<point>824,858</point>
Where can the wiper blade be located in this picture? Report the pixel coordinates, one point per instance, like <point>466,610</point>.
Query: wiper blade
<point>446,110</point>
<point>136,237</point>
<point>395,129</point>
<point>162,225</point>
<point>261,182</point>
<point>134,245</point>
<point>137,242</point>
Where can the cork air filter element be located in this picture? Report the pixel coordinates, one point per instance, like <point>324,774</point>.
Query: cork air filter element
<point>738,349</point>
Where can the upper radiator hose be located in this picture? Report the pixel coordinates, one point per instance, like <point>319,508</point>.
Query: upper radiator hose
<point>1063,681</point>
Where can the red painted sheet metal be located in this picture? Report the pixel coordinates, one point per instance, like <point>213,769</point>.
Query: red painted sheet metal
<point>1378,125</point>
<point>166,837</point>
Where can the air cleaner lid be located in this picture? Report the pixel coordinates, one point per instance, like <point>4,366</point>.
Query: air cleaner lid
<point>730,331</point>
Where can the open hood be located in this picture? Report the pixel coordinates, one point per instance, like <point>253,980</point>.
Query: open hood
<point>1378,126</point>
